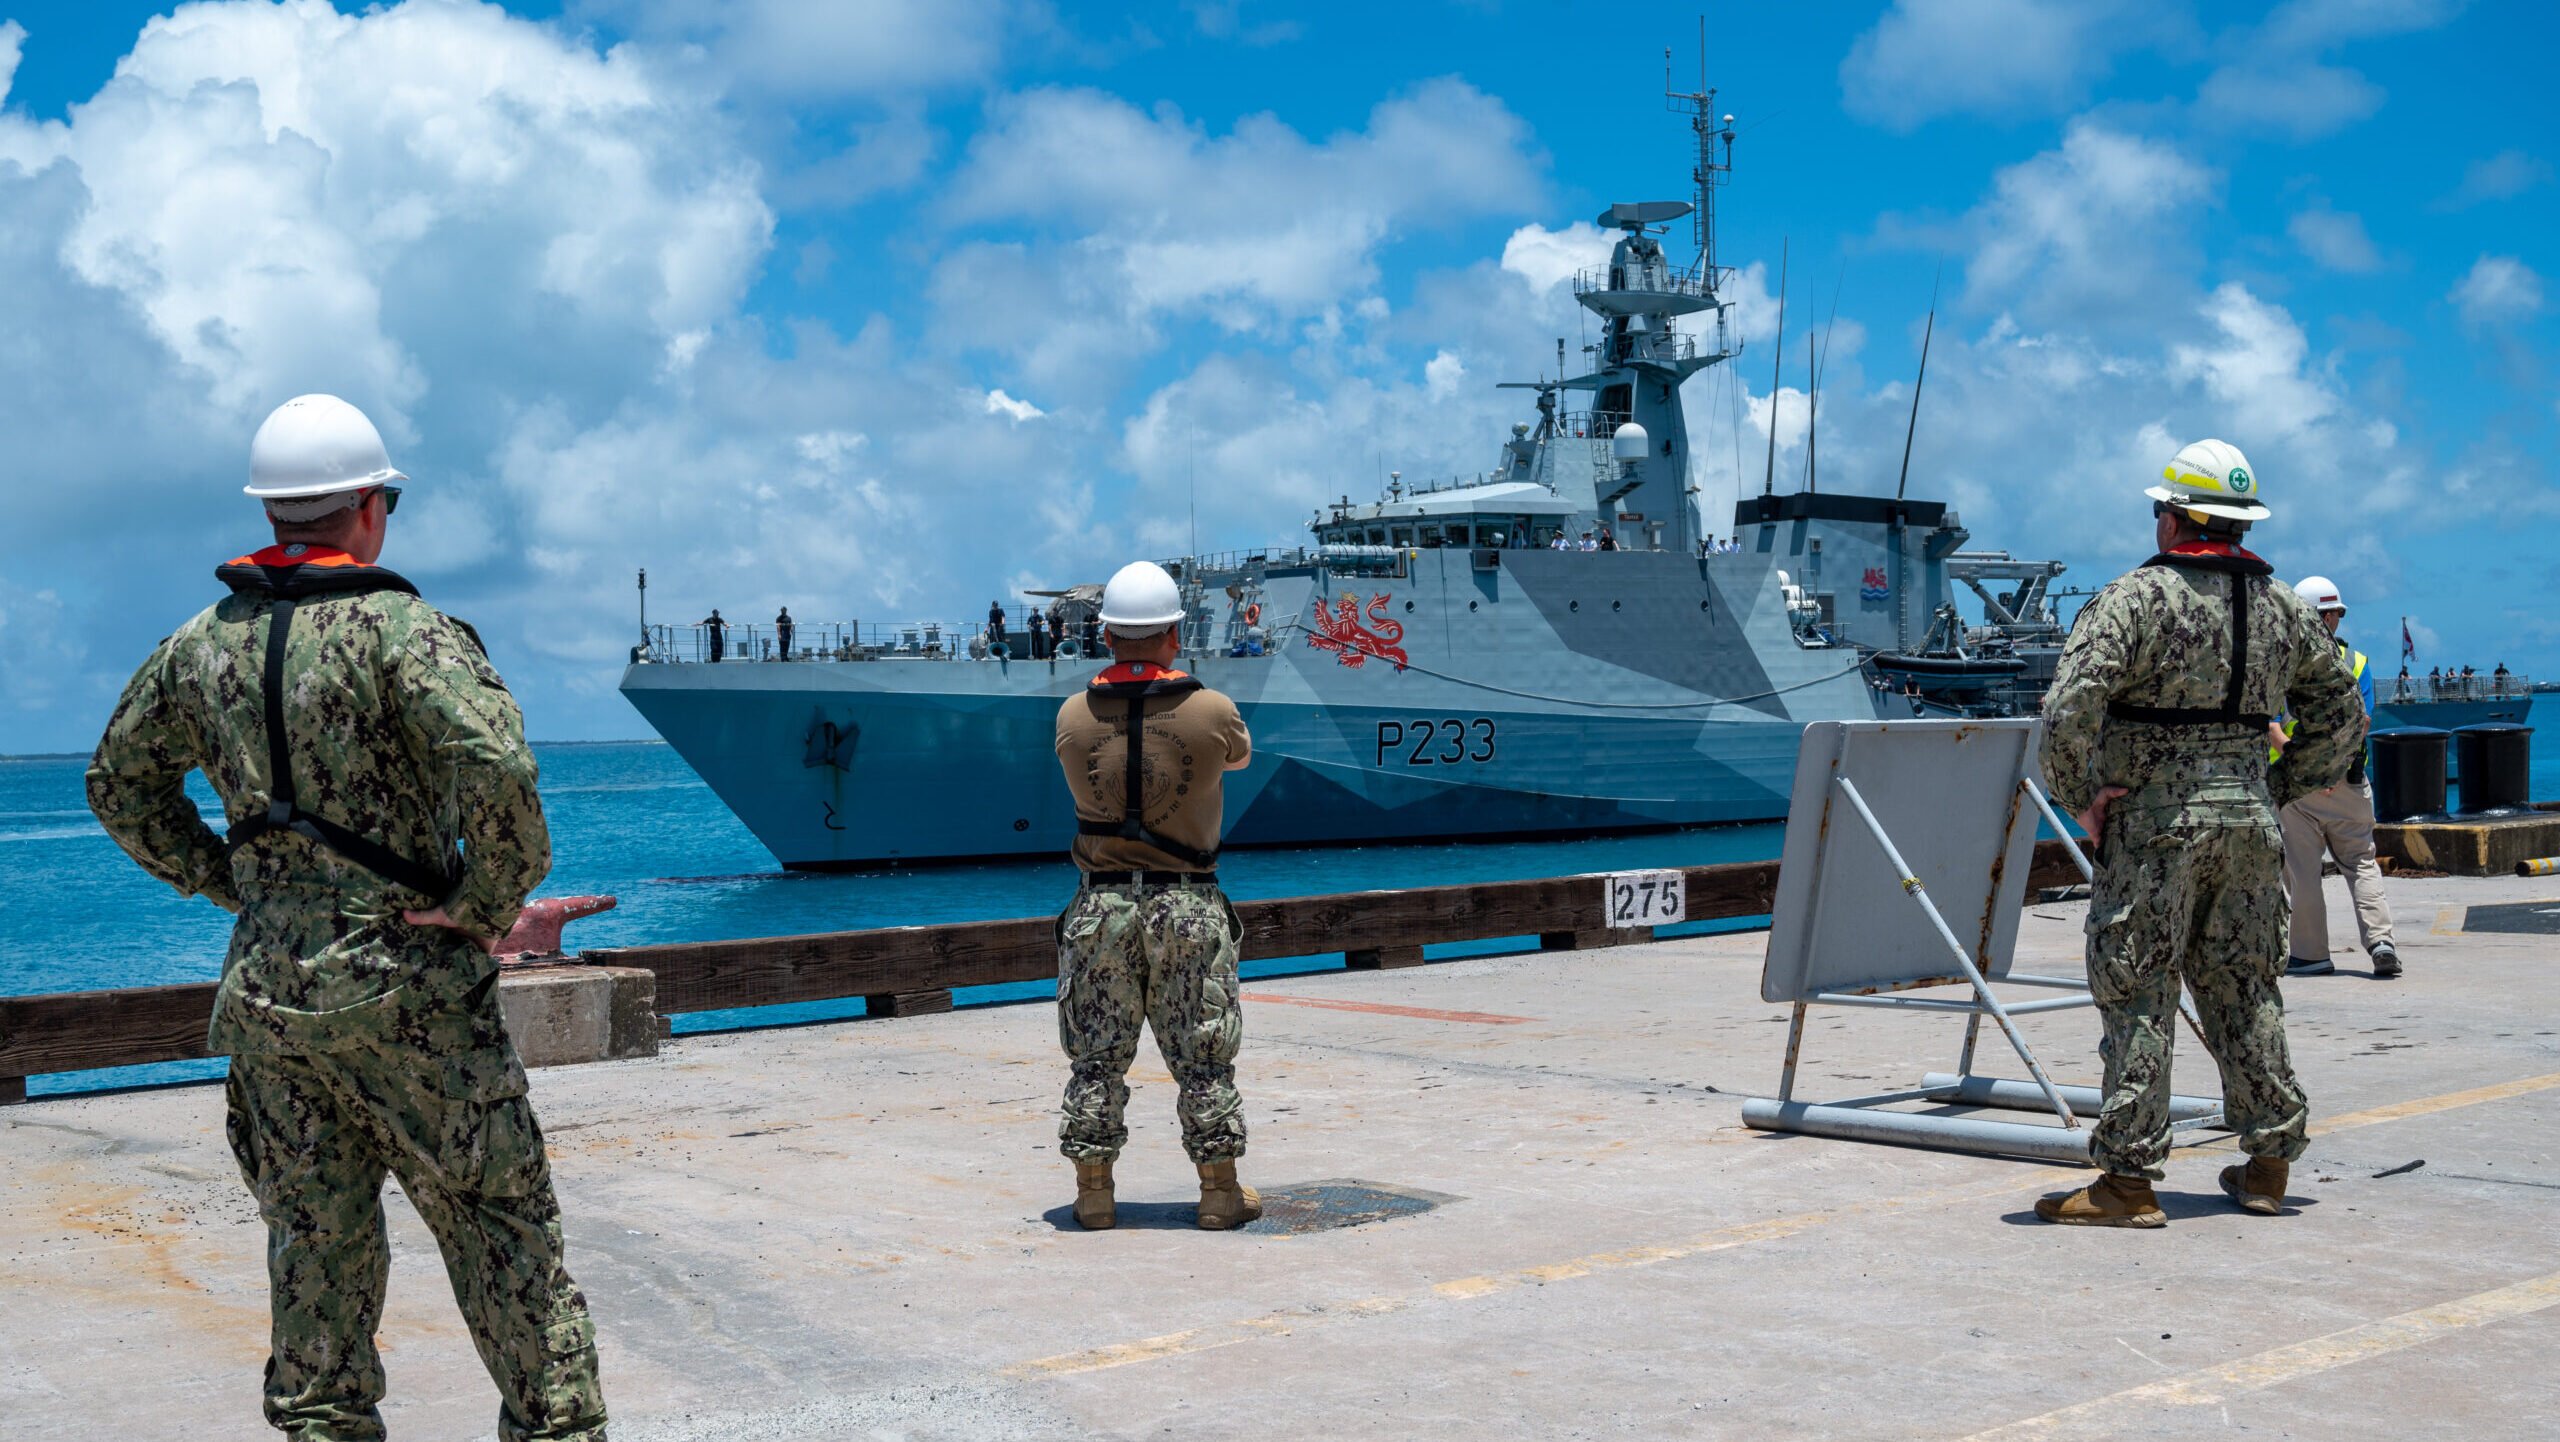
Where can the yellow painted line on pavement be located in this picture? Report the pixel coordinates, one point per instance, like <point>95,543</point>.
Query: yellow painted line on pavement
<point>2427,1106</point>
<point>1291,1319</point>
<point>2214,1385</point>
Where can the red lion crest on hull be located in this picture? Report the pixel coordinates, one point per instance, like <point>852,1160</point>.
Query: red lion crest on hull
<point>1338,630</point>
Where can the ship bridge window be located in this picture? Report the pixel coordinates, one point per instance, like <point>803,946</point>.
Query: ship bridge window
<point>1377,535</point>
<point>1403,536</point>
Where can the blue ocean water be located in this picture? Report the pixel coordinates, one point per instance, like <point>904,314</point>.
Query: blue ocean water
<point>630,819</point>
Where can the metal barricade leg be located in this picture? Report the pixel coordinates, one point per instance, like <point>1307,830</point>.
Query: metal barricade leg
<point>2089,871</point>
<point>1981,988</point>
<point>1795,1044</point>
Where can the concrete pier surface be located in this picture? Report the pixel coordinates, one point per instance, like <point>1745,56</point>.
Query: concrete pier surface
<point>860,1230</point>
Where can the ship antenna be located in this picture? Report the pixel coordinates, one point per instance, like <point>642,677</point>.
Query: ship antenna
<point>1914,425</point>
<point>1812,405</point>
<point>1769,477</point>
<point>1813,396</point>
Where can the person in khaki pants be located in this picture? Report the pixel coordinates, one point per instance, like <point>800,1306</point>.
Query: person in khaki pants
<point>2336,821</point>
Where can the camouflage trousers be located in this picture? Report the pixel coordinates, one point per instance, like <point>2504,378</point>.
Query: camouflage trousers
<point>315,1136</point>
<point>1164,956</point>
<point>2206,904</point>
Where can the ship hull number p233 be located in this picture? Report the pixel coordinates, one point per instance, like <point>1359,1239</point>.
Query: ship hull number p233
<point>1442,741</point>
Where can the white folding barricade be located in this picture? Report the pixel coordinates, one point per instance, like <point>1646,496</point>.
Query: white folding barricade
<point>1943,813</point>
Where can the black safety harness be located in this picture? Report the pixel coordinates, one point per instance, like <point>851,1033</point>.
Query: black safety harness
<point>2248,574</point>
<point>287,576</point>
<point>1134,683</point>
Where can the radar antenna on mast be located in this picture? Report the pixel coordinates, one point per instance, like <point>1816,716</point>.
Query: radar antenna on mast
<point>1769,477</point>
<point>1813,383</point>
<point>1913,428</point>
<point>1707,172</point>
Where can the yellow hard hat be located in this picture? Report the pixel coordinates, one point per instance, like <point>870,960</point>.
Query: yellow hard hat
<point>2212,478</point>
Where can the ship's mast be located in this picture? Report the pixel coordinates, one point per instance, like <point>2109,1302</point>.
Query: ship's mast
<point>1707,172</point>
<point>1635,460</point>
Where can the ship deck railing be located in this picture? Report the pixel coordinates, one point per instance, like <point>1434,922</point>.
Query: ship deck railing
<point>1642,280</point>
<point>822,642</point>
<point>2423,690</point>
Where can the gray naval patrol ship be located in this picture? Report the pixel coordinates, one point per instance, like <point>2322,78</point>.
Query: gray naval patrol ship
<point>1447,661</point>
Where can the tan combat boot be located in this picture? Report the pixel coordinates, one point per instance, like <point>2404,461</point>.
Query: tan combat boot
<point>1225,1202</point>
<point>2259,1186</point>
<point>1096,1210</point>
<point>2110,1201</point>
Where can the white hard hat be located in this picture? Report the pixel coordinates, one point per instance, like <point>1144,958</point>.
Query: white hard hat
<point>1140,599</point>
<point>317,445</point>
<point>2214,478</point>
<point>2320,593</point>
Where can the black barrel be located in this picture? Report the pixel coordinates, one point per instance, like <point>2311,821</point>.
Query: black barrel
<point>2408,772</point>
<point>2494,758</point>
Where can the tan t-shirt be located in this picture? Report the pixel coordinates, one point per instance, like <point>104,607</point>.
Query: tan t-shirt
<point>1191,738</point>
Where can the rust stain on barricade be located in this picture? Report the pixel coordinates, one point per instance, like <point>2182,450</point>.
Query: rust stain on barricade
<point>2216,1385</point>
<point>1376,1008</point>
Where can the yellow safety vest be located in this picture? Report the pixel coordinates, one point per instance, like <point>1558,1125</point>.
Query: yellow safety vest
<point>2356,662</point>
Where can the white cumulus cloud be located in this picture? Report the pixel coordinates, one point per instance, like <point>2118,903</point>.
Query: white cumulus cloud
<point>2497,290</point>
<point>820,48</point>
<point>2301,99</point>
<point>13,39</point>
<point>1548,258</point>
<point>1000,404</point>
<point>1927,58</point>
<point>2335,240</point>
<point>1247,227</point>
<point>2508,173</point>
<point>2096,224</point>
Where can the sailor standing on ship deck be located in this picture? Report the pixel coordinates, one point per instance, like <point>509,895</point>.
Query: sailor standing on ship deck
<point>1149,937</point>
<point>355,735</point>
<point>2156,735</point>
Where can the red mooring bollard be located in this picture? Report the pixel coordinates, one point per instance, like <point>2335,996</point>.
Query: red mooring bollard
<point>536,936</point>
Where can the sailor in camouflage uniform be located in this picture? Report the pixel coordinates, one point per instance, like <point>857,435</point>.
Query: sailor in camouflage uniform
<point>1150,938</point>
<point>2156,735</point>
<point>355,735</point>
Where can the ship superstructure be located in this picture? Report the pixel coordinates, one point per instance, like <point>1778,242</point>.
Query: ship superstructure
<point>1446,661</point>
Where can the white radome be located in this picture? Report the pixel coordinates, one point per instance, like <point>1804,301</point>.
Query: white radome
<point>1630,444</point>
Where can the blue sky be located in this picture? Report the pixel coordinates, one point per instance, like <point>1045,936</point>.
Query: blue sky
<point>879,309</point>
